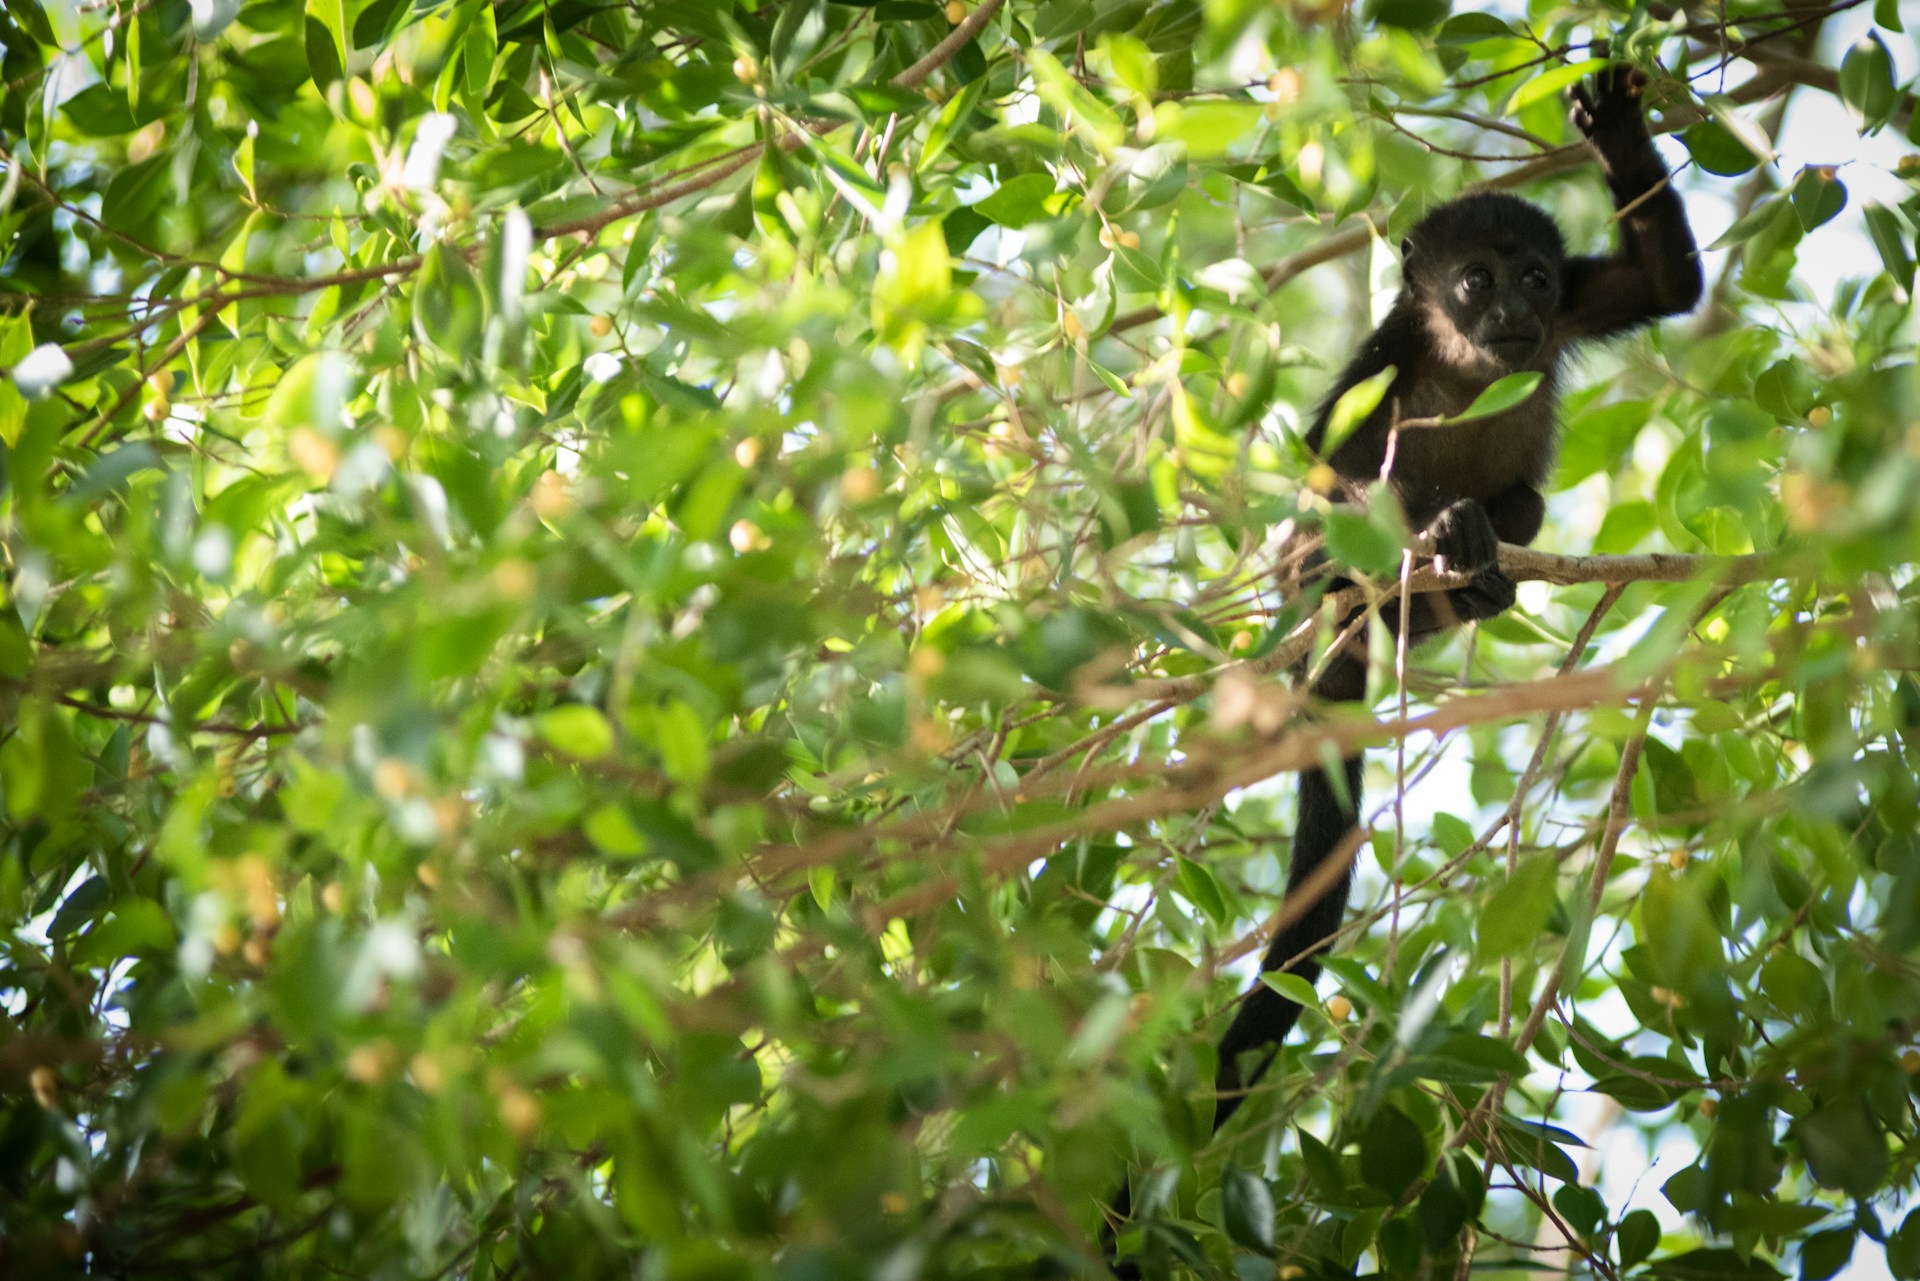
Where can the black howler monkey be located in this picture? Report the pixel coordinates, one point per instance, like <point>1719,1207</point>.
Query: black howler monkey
<point>1488,291</point>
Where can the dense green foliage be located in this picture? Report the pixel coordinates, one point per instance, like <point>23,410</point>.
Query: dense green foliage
<point>644,640</point>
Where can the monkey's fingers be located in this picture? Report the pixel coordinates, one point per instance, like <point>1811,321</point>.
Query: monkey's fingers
<point>1579,104</point>
<point>1463,539</point>
<point>1624,81</point>
<point>1580,111</point>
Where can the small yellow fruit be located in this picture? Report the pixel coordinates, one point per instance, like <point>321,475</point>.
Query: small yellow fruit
<point>745,70</point>
<point>393,778</point>
<point>333,898</point>
<point>158,409</point>
<point>1339,1009</point>
<point>313,454</point>
<point>1678,860</point>
<point>257,951</point>
<point>427,1073</point>
<point>1285,86</point>
<point>1107,240</point>
<point>745,536</point>
<point>368,1063</point>
<point>1130,239</point>
<point>1819,416</point>
<point>600,326</point>
<point>552,496</point>
<point>859,485</point>
<point>46,1087</point>
<point>161,380</point>
<point>450,814</point>
<point>1910,1062</point>
<point>747,452</point>
<point>1070,325</point>
<point>519,1111</point>
<point>514,580</point>
<point>956,12</point>
<point>1321,478</point>
<point>1709,1108</point>
<point>1237,384</point>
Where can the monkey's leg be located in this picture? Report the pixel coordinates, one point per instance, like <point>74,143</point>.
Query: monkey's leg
<point>1265,1017</point>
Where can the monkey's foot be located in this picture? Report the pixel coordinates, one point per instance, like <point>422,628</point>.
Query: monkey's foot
<point>1463,540</point>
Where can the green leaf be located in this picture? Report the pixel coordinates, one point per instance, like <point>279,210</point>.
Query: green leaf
<point>313,393</point>
<point>1516,916</point>
<point>1246,1204</point>
<point>1357,539</point>
<point>1452,834</point>
<point>1729,115</point>
<point>1825,1253</point>
<point>1111,379</point>
<point>1393,1152</point>
<point>1866,83</point>
<point>1637,1237</point>
<point>1718,150</point>
<point>448,310</point>
<point>1752,223</point>
<point>682,740</point>
<point>612,831</point>
<point>1020,200</point>
<point>1903,1249</point>
<point>1355,405</point>
<point>1293,987</point>
<point>1818,197</point>
<point>1206,129</point>
<point>1472,28</point>
<point>1889,235</point>
<point>1500,396</point>
<point>1843,1148</point>
<point>1682,940</point>
<point>577,730</point>
<point>941,135</point>
<point>1092,118</point>
<point>1202,888</point>
<point>1534,1146</point>
<point>1550,82</point>
<point>1715,1264</point>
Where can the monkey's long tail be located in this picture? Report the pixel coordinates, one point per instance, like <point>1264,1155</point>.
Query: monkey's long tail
<point>1265,1017</point>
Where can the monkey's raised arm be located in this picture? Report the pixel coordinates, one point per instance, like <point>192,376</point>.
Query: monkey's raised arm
<point>1655,271</point>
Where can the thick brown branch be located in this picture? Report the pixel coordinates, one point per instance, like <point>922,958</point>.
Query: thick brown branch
<point>1521,564</point>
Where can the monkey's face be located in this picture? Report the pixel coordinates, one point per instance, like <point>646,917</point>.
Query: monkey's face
<point>1503,302</point>
<point>1489,309</point>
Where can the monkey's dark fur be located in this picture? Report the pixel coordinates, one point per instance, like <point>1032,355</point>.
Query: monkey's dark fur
<point>1488,291</point>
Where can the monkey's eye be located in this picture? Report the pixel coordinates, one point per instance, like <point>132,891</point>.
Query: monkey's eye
<point>1535,278</point>
<point>1477,279</point>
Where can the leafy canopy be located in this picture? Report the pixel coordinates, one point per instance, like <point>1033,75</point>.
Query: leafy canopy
<point>650,639</point>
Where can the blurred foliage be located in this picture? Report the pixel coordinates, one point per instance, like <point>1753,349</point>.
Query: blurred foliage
<point>587,600</point>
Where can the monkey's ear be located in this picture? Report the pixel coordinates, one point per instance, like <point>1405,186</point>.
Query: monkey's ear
<point>1406,248</point>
